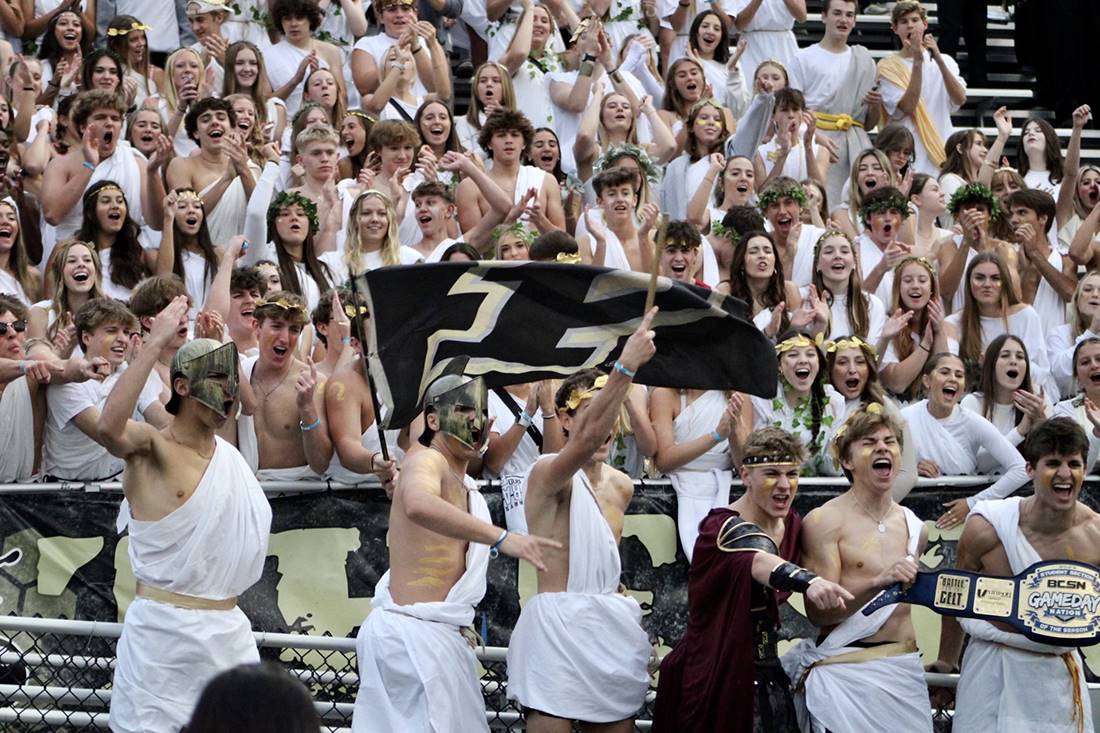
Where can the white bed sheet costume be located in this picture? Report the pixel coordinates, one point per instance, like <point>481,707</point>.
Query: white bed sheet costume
<point>1009,683</point>
<point>704,483</point>
<point>417,671</point>
<point>213,547</point>
<point>582,654</point>
<point>888,693</point>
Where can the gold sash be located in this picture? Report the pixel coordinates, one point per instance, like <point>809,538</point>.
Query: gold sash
<point>830,122</point>
<point>893,649</point>
<point>894,70</point>
<point>183,601</point>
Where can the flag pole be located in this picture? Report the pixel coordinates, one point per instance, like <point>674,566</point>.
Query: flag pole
<point>655,266</point>
<point>370,382</point>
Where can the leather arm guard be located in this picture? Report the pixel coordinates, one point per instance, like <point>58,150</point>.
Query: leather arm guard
<point>790,577</point>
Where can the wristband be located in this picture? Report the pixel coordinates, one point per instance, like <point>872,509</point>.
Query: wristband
<point>416,50</point>
<point>22,367</point>
<point>346,340</point>
<point>624,371</point>
<point>716,436</point>
<point>524,420</point>
<point>494,549</point>
<point>586,68</point>
<point>89,166</point>
<point>551,416</point>
<point>588,57</point>
<point>789,577</point>
<point>312,426</point>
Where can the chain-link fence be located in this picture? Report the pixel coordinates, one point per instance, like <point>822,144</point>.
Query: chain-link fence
<point>56,676</point>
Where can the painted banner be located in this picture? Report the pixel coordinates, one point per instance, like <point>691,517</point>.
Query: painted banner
<point>60,557</point>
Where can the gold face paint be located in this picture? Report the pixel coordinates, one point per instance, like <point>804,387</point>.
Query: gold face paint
<point>770,483</point>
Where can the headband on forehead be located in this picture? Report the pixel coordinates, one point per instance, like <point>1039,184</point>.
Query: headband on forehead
<point>578,395</point>
<point>771,459</point>
<point>181,196</point>
<point>137,25</point>
<point>798,341</point>
<point>852,342</point>
<point>283,304</point>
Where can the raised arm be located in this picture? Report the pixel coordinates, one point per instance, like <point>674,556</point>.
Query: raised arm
<point>551,477</point>
<point>120,435</point>
<point>1072,168</point>
<point>911,47</point>
<point>520,47</point>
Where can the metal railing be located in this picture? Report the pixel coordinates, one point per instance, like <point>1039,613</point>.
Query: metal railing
<point>55,675</point>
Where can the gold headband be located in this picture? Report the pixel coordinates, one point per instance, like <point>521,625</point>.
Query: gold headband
<point>137,25</point>
<point>350,310</point>
<point>852,342</point>
<point>872,407</point>
<point>109,187</point>
<point>188,196</point>
<point>577,396</point>
<point>798,341</point>
<point>568,258</point>
<point>282,303</point>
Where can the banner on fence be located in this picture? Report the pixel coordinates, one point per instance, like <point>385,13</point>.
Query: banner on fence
<point>61,558</point>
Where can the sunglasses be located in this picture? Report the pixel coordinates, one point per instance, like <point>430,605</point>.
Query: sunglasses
<point>17,326</point>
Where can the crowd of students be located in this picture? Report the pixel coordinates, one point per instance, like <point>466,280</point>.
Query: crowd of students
<point>893,259</point>
<point>257,170</point>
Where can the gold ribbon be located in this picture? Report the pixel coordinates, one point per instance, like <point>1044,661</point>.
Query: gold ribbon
<point>894,70</point>
<point>183,601</point>
<point>893,649</point>
<point>843,123</point>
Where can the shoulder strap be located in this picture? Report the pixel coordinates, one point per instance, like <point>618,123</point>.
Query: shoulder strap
<point>510,402</point>
<point>400,110</point>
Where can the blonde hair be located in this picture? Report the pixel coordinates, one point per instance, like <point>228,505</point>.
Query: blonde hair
<point>316,133</point>
<point>507,96</point>
<point>55,270</point>
<point>353,246</point>
<point>171,94</point>
<point>855,196</point>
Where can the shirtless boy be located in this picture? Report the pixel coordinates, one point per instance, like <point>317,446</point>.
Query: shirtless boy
<point>292,441</point>
<point>1009,682</point>
<point>578,652</point>
<point>417,672</point>
<point>864,541</point>
<point>504,137</point>
<point>184,625</point>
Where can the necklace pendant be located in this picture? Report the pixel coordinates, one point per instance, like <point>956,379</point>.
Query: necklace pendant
<point>881,528</point>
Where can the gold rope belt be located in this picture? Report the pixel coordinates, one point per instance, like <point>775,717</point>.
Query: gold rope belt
<point>826,121</point>
<point>183,601</point>
<point>1078,706</point>
<point>893,649</point>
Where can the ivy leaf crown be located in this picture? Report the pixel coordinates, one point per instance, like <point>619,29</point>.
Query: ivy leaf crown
<point>774,194</point>
<point>282,200</point>
<point>974,193</point>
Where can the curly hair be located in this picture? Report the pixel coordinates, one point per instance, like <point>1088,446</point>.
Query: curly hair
<point>505,120</point>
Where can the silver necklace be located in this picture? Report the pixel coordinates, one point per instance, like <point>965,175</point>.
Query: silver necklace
<point>880,520</point>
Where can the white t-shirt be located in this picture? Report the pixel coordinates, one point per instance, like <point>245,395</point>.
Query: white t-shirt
<point>70,454</point>
<point>818,73</point>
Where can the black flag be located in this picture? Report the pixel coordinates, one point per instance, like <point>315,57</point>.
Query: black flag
<point>515,322</point>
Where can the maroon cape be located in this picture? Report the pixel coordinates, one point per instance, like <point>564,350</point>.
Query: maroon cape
<point>706,682</point>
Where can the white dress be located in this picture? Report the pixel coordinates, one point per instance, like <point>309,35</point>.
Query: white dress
<point>1025,324</point>
<point>769,35</point>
